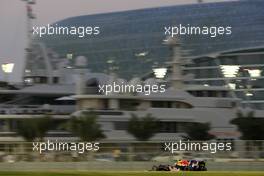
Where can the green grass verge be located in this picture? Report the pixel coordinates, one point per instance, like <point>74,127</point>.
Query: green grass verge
<point>131,173</point>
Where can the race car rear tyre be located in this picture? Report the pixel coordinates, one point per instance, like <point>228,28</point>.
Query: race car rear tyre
<point>154,168</point>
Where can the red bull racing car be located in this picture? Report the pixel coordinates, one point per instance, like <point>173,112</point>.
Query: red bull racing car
<point>182,165</point>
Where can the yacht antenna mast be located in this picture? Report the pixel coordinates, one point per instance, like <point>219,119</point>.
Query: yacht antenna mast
<point>175,63</point>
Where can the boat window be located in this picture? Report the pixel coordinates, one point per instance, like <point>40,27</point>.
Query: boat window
<point>170,104</point>
<point>129,105</point>
<point>55,80</point>
<point>161,104</point>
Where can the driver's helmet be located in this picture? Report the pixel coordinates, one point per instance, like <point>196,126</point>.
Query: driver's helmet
<point>179,163</point>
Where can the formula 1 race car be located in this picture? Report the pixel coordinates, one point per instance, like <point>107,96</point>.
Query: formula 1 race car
<point>182,165</point>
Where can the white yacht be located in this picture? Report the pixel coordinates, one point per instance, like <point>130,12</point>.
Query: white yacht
<point>175,108</point>
<point>62,88</point>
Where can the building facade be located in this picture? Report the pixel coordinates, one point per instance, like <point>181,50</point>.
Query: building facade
<point>135,38</point>
<point>240,70</point>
